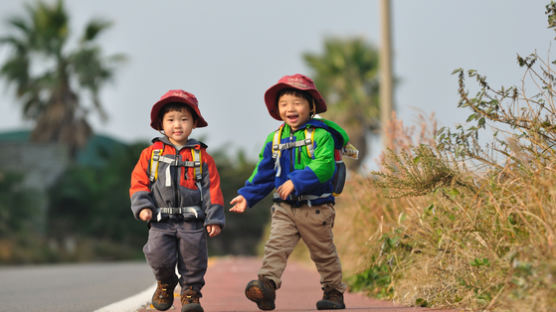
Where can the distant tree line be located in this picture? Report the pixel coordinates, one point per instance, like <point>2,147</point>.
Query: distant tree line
<point>88,215</point>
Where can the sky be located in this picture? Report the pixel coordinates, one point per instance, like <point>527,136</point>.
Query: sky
<point>227,53</point>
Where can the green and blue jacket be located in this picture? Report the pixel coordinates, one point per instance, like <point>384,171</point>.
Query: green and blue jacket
<point>311,174</point>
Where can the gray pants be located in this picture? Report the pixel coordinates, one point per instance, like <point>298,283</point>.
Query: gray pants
<point>183,243</point>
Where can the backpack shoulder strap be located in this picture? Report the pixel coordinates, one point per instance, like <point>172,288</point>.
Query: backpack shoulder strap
<point>310,134</point>
<point>155,157</point>
<point>276,142</point>
<point>197,168</point>
<point>276,149</point>
<point>197,164</point>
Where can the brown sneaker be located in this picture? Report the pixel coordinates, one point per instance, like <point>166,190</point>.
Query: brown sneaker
<point>262,292</point>
<point>331,300</point>
<point>163,296</point>
<point>190,300</point>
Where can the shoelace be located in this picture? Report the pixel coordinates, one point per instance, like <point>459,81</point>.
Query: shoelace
<point>190,298</point>
<point>164,291</point>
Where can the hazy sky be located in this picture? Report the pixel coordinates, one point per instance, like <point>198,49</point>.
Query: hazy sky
<point>228,53</point>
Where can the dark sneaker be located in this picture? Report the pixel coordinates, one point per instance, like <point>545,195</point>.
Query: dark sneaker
<point>262,292</point>
<point>163,296</point>
<point>190,300</point>
<point>331,300</point>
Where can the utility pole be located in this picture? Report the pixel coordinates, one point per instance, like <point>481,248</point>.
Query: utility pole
<point>385,68</point>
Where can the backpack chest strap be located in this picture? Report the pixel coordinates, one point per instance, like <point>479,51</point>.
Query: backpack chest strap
<point>176,161</point>
<point>278,147</point>
<point>288,145</point>
<point>165,211</point>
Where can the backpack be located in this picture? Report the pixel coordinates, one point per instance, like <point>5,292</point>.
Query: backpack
<point>341,149</point>
<point>196,164</point>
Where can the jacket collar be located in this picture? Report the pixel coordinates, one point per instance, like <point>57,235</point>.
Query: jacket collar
<point>319,123</point>
<point>312,122</point>
<point>191,143</point>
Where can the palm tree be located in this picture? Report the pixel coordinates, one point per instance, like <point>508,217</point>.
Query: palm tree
<point>51,81</point>
<point>346,74</point>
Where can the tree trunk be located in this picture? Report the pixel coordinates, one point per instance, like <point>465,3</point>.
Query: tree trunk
<point>59,123</point>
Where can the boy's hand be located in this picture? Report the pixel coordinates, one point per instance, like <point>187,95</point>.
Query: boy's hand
<point>239,204</point>
<point>213,230</point>
<point>285,189</point>
<point>145,214</point>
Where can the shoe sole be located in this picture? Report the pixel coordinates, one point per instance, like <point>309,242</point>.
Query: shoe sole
<point>192,307</point>
<point>162,307</point>
<point>329,305</point>
<point>255,294</point>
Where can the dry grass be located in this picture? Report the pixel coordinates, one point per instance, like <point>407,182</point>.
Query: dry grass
<point>429,231</point>
<point>492,249</point>
<point>448,223</point>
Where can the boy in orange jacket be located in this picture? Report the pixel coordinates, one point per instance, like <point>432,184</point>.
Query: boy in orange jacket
<point>176,188</point>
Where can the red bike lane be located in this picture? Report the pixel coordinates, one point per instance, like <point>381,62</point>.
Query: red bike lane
<point>226,279</point>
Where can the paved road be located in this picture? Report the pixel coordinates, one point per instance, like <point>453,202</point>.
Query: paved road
<point>226,279</point>
<point>71,288</point>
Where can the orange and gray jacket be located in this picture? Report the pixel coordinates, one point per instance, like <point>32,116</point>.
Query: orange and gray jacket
<point>177,186</point>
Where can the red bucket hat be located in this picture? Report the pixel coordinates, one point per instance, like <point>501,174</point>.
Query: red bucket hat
<point>176,96</point>
<point>299,82</point>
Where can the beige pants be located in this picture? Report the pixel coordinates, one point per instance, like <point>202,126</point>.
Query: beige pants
<point>313,225</point>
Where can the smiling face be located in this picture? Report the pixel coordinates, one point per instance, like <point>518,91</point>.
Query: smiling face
<point>177,125</point>
<point>295,110</point>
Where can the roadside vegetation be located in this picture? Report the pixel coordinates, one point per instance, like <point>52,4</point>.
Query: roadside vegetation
<point>450,221</point>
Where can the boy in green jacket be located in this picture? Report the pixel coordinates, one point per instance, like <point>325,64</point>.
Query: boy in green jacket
<point>298,161</point>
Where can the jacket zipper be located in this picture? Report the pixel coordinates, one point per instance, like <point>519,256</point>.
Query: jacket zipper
<point>292,154</point>
<point>176,180</point>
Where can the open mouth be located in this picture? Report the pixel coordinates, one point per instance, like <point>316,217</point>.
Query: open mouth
<point>292,118</point>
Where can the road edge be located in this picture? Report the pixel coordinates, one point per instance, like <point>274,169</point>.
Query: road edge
<point>130,304</point>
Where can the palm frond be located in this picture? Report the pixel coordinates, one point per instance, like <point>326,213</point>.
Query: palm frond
<point>346,75</point>
<point>94,28</point>
<point>52,93</point>
<point>16,70</point>
<point>19,23</point>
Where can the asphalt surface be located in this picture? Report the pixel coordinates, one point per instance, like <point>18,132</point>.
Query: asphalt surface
<point>226,279</point>
<point>110,286</point>
<point>71,288</point>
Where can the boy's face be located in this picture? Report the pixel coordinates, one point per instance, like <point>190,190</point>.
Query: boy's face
<point>294,110</point>
<point>177,125</point>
